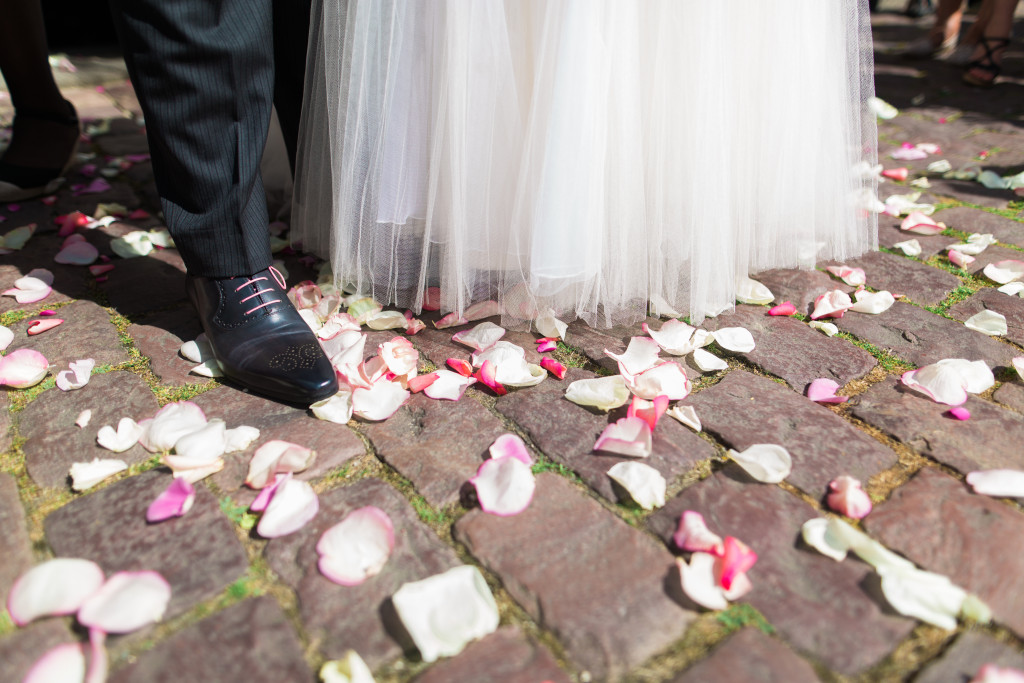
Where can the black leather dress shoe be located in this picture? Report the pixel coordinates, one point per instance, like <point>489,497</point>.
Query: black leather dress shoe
<point>259,338</point>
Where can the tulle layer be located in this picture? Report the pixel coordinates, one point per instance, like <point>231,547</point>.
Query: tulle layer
<point>583,156</point>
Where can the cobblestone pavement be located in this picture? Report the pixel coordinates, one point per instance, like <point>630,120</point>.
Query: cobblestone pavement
<point>586,585</point>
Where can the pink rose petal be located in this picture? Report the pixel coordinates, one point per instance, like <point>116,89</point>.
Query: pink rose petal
<point>421,382</point>
<point>79,253</point>
<point>487,375</point>
<point>266,493</point>
<point>699,583</point>
<point>992,673</point>
<point>100,269</point>
<point>34,286</point>
<point>38,326</point>
<point>380,401</point>
<point>294,504</point>
<point>640,355</point>
<point>823,390</point>
<point>23,368</point>
<point>510,445</point>
<point>667,379</point>
<point>851,276</point>
<point>960,259</point>
<point>950,380</point>
<point>481,337</point>
<point>277,457</point>
<point>356,548</point>
<point>127,602</point>
<point>399,355</point>
<point>448,385</point>
<point>553,366</point>
<point>463,367</point>
<point>629,436</point>
<point>848,498</point>
<point>450,320</point>
<point>77,377</point>
<point>64,663</point>
<point>170,423</point>
<point>921,224</point>
<point>675,337</point>
<point>504,486</point>
<point>693,535</point>
<point>545,344</point>
<point>175,501</point>
<point>648,411</point>
<point>56,587</point>
<point>896,173</point>
<point>960,413</point>
<point>737,558</point>
<point>831,305</point>
<point>785,308</point>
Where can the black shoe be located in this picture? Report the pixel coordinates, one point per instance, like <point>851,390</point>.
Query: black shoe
<point>259,338</point>
<point>24,182</point>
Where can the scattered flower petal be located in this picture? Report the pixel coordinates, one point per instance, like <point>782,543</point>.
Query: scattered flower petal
<point>848,498</point>
<point>991,673</point>
<point>400,356</point>
<point>77,377</point>
<point>380,401</point>
<point>950,380</point>
<point>816,534</point>
<point>909,247</point>
<point>881,108</point>
<point>666,379</point>
<point>23,368</point>
<point>1001,271</point>
<point>387,320</point>
<point>277,457</point>
<point>640,355</point>
<point>698,581</point>
<point>554,367</point>
<point>357,547</point>
<point>823,390</point>
<point>351,669</point>
<point>294,504</point>
<point>958,258</point>
<point>450,320</point>
<point>899,174</point>
<point>1012,288</point>
<point>752,292</point>
<point>736,559</point>
<point>421,382</point>
<point>79,253</point>
<point>172,422</point>
<point>918,222</point>
<point>504,486</point>
<point>932,598</point>
<point>39,326</point>
<point>676,337</point>
<point>126,602</point>
<point>127,435</point>
<point>175,501</point>
<point>16,238</point>
<point>85,475</point>
<point>873,302</point>
<point>765,462</point>
<point>644,484</point>
<point>960,413</point>
<point>55,587</point>
<point>629,436</point>
<point>854,277</point>
<point>693,535</point>
<point>204,444</point>
<point>64,663</point>
<point>84,418</point>
<point>510,445</point>
<point>785,308</point>
<point>448,385</point>
<point>487,375</point>
<point>648,411</point>
<point>337,408</point>
<point>687,415</point>
<point>829,329</point>
<point>550,326</point>
<point>831,305</point>
<point>481,337</point>
<point>988,322</point>
<point>240,438</point>
<point>1001,483</point>
<point>708,362</point>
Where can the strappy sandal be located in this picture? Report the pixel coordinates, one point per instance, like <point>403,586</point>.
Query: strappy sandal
<point>19,182</point>
<point>993,47</point>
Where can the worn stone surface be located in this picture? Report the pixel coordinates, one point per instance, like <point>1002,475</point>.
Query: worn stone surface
<point>15,545</point>
<point>900,275</point>
<point>593,342</point>
<point>750,655</point>
<point>159,337</point>
<point>358,617</point>
<point>611,610</point>
<point>10,273</point>
<point>199,553</point>
<point>889,235</point>
<point>146,283</point>
<point>969,653</point>
<point>1011,307</point>
<point>801,592</point>
<point>251,641</point>
<point>85,333</point>
<point>566,433</point>
<point>744,409</point>
<point>437,445</point>
<point>927,427</point>
<point>1011,395</point>
<point>921,337</point>
<point>790,349</point>
<point>505,655</point>
<point>20,650</point>
<point>970,220</point>
<point>801,287</point>
<point>993,254</point>
<point>951,525</point>
<point>6,438</point>
<point>970,191</point>
<point>54,441</point>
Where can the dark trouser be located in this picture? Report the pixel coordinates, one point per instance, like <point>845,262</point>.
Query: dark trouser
<point>206,73</point>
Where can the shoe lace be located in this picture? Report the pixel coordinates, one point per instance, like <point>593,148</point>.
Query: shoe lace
<point>276,274</point>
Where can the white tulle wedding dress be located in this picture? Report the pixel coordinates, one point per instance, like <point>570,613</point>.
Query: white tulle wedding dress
<point>591,157</point>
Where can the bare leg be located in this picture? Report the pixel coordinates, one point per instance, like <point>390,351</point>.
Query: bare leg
<point>988,56</point>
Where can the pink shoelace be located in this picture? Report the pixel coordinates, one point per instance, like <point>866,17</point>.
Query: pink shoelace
<point>253,281</point>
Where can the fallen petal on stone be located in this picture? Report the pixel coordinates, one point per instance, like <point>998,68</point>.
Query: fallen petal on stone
<point>992,673</point>
<point>240,438</point>
<point>644,484</point>
<point>873,302</point>
<point>277,457</point>
<point>736,339</point>
<point>687,415</point>
<point>831,305</point>
<point>6,337</point>
<point>450,320</point>
<point>815,533</point>
<point>950,380</point>
<point>172,422</point>
<point>42,325</point>
<point>480,337</point>
<point>448,385</point>
<point>64,663</point>
<point>553,366</point>
<point>1001,483</point>
<point>55,587</point>
<point>510,445</point>
<point>356,548</point>
<point>932,598</point>
<point>674,337</point>
<point>752,292</point>
<point>708,362</point>
<point>698,581</point>
<point>829,329</point>
<point>766,462</point>
<point>693,535</point>
<point>175,501</point>
<point>206,443</point>
<point>854,277</point>
<point>421,382</point>
<point>84,418</point>
<point>848,498</point>
<point>504,486</point>
<point>958,258</point>
<point>737,558</point>
<point>387,320</point>
<point>23,368</point>
<point>337,408</point>
<point>77,254</point>
<point>785,308</point>
<point>127,602</point>
<point>842,534</point>
<point>350,669</point>
<point>921,224</point>
<point>641,354</point>
<point>648,411</point>
<point>380,401</point>
<point>988,322</point>
<point>294,504</point>
<point>127,435</point>
<point>823,390</point>
<point>960,413</point>
<point>629,436</point>
<point>1012,288</point>
<point>909,247</point>
<point>77,377</point>
<point>667,379</point>
<point>604,393</point>
<point>445,612</point>
<point>550,326</point>
<point>85,475</point>
<point>1001,271</point>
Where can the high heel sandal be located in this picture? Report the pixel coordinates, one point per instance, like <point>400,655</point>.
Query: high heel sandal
<point>993,47</point>
<point>19,182</point>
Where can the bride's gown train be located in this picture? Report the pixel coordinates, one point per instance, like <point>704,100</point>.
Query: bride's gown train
<point>585,156</point>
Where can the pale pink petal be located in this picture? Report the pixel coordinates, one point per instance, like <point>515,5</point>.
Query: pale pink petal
<point>930,597</point>
<point>463,367</point>
<point>448,385</point>
<point>896,173</point>
<point>421,382</point>
<point>640,355</point>
<point>909,154</point>
<point>988,322</point>
<point>550,326</point>
<point>504,486</point>
<point>481,310</point>
<point>546,344</point>
<point>277,457</point>
<point>667,379</point>
<point>127,602</point>
<point>101,269</point>
<point>356,548</point>
<point>380,401</point>
<point>400,356</point>
<point>873,302</point>
<point>99,661</point>
<point>950,380</point>
<point>305,295</point>
<point>693,535</point>
<point>23,368</point>
<point>1001,271</point>
<point>175,501</point>
<point>816,534</point>
<point>40,274</point>
<point>294,504</point>
<point>1002,483</point>
<point>337,408</point>
<point>487,375</point>
<point>482,336</point>
<point>766,462</point>
<point>263,498</point>
<point>127,435</point>
<point>371,371</point>
<point>959,258</point>
<point>77,377</point>
<point>64,663</point>
<point>644,484</point>
<point>387,320</point>
<point>854,277</point>
<point>55,587</point>
<point>708,362</point>
<point>909,247</point>
<point>752,292</point>
<point>785,308</point>
<point>737,558</point>
<point>699,583</point>
<point>674,337</point>
<point>736,339</point>
<point>350,669</point>
<point>206,443</point>
<point>553,366</point>
<point>823,390</point>
<point>450,320</point>
<point>831,305</point>
<point>604,393</point>
<point>41,325</point>
<point>992,673</point>
<point>687,415</point>
<point>848,498</point>
<point>960,413</point>
<point>510,366</point>
<point>79,253</point>
<point>648,411</point>
<point>240,438</point>
<point>6,337</point>
<point>85,475</point>
<point>629,436</point>
<point>432,299</point>
<point>170,423</point>
<point>921,224</point>
<point>84,418</point>
<point>192,469</point>
<point>741,585</point>
<point>510,445</point>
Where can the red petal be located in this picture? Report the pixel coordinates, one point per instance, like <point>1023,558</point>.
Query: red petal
<point>421,382</point>
<point>785,308</point>
<point>486,375</point>
<point>553,366</point>
<point>463,367</point>
<point>737,558</point>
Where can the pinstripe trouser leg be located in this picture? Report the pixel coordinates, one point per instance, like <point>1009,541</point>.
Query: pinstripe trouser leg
<point>204,74</point>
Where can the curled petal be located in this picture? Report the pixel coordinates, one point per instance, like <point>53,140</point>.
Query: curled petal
<point>988,322</point>
<point>461,366</point>
<point>823,390</point>
<point>420,382</point>
<point>263,498</point>
<point>23,368</point>
<point>950,380</point>
<point>277,457</point>
<point>854,277</point>
<point>42,325</point>
<point>33,287</point>
<point>400,356</point>
<point>197,350</point>
<point>737,559</point>
<point>480,337</point>
<point>450,320</point>
<point>504,486</point>
<point>550,326</point>
<point>1001,271</point>
<point>667,379</point>
<point>206,443</point>
<point>448,385</point>
<point>831,305</point>
<point>294,504</point>
<point>127,435</point>
<point>991,673</point>
<point>351,669</point>
<point>899,174</point>
<point>65,663</point>
<point>240,438</point>
<point>55,587</point>
<point>848,498</point>
<point>387,320</point>
<point>79,253</point>
<point>930,597</point>
<point>77,377</point>
<point>687,415</point>
<point>337,408</point>
<point>629,436</point>
<point>873,302</point>
<point>16,238</point>
<point>546,344</point>
<point>357,547</point>
<point>85,475</point>
<point>553,366</point>
<point>766,462</point>
<point>816,534</point>
<point>960,413</point>
<point>675,337</point>
<point>175,501</point>
<point>785,308</point>
<point>127,602</point>
<point>752,292</point>
<point>921,224</point>
<point>708,362</point>
<point>640,355</point>
<point>909,247</point>
<point>6,337</point>
<point>380,401</point>
<point>487,375</point>
<point>693,535</point>
<point>644,484</point>
<point>648,411</point>
<point>699,583</point>
<point>510,366</point>
<point>510,445</point>
<point>829,329</point>
<point>172,422</point>
<point>604,393</point>
<point>959,258</point>
<point>84,418</point>
<point>1001,483</point>
<point>736,339</point>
